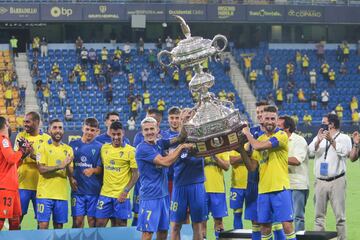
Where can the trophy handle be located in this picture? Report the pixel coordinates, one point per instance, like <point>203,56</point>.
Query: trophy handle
<point>163,53</point>
<point>216,39</point>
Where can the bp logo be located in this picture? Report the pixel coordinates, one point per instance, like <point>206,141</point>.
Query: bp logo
<point>58,162</point>
<point>3,10</point>
<point>112,162</point>
<point>83,159</point>
<point>60,11</point>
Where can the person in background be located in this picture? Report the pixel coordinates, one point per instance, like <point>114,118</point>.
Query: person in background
<point>109,119</point>
<point>68,114</point>
<point>307,119</point>
<point>298,170</point>
<point>43,47</point>
<point>131,124</point>
<point>215,190</point>
<point>14,46</point>
<point>331,149</point>
<point>355,117</point>
<point>78,45</point>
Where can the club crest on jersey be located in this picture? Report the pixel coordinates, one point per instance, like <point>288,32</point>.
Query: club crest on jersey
<point>5,143</point>
<point>93,151</point>
<point>121,153</point>
<point>58,162</point>
<point>184,154</point>
<point>83,159</point>
<point>76,148</point>
<point>65,152</point>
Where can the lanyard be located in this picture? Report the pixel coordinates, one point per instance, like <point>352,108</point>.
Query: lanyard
<point>327,146</point>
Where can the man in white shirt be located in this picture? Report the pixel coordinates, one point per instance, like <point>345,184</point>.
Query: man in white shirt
<point>144,78</point>
<point>62,96</point>
<point>169,43</point>
<point>325,99</point>
<point>312,75</point>
<point>84,57</point>
<point>331,149</point>
<point>127,50</point>
<point>298,170</point>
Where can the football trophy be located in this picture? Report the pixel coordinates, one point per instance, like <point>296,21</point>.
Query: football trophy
<point>216,125</point>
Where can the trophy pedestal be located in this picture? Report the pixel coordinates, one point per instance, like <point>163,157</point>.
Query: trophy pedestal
<point>221,143</point>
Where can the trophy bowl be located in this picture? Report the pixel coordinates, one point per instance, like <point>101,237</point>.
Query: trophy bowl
<point>216,125</point>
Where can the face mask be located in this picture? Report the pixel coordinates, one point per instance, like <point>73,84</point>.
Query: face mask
<point>325,127</point>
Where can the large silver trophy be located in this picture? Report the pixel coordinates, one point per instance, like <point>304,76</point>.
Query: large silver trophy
<point>216,124</point>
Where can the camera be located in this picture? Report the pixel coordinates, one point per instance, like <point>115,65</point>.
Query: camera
<point>325,127</point>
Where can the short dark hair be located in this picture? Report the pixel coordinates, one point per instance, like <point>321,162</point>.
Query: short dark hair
<point>34,116</point>
<point>91,122</point>
<point>271,108</point>
<point>174,110</point>
<point>2,122</point>
<point>261,103</point>
<point>55,120</point>
<point>116,125</point>
<point>155,111</point>
<point>289,123</point>
<point>111,114</point>
<point>334,119</point>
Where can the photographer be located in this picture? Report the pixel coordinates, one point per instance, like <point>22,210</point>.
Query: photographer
<point>331,149</point>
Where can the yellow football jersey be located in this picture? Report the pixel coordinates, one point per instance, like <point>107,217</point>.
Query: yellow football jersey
<point>273,171</point>
<point>53,185</point>
<point>28,172</point>
<point>117,164</point>
<point>239,173</point>
<point>214,174</point>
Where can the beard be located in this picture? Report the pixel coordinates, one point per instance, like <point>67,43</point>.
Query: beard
<point>57,137</point>
<point>270,128</point>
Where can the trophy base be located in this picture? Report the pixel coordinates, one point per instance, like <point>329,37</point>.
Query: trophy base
<point>218,144</point>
